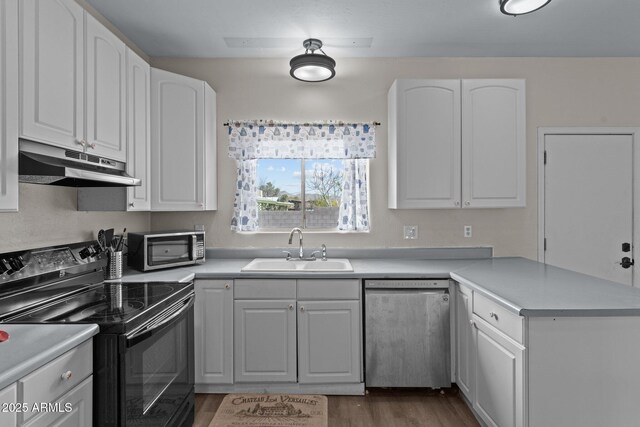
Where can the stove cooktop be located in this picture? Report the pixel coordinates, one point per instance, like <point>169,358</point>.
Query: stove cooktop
<point>115,307</point>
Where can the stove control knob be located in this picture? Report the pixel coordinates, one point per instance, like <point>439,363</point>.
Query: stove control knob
<point>66,376</point>
<point>4,336</point>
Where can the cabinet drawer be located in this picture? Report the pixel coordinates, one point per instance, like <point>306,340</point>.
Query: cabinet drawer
<point>264,289</point>
<point>335,289</point>
<point>498,316</point>
<point>51,381</point>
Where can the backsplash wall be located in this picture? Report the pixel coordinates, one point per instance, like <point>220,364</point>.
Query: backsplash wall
<point>560,92</point>
<point>48,216</point>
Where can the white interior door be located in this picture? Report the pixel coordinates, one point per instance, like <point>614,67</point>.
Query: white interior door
<point>588,204</point>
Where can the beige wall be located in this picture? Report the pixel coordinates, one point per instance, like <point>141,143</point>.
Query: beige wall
<point>48,216</point>
<point>560,92</point>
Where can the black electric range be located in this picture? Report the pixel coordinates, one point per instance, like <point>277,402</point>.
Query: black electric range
<point>143,353</point>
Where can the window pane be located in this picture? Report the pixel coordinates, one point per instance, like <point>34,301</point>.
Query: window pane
<point>323,188</point>
<point>279,193</point>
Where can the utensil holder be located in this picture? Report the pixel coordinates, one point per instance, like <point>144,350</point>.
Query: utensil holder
<point>114,266</point>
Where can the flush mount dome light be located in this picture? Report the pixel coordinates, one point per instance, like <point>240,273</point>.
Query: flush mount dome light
<point>521,7</point>
<point>312,67</point>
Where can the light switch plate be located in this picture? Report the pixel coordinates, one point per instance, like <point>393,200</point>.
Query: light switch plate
<point>410,232</point>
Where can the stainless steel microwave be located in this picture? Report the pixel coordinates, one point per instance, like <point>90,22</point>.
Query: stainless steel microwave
<point>153,251</point>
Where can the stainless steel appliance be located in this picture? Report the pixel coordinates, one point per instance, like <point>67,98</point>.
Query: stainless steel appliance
<point>156,250</point>
<point>44,164</point>
<point>407,333</point>
<point>143,354</point>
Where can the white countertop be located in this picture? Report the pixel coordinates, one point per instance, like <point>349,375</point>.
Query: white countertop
<point>530,288</point>
<point>525,287</point>
<point>31,346</point>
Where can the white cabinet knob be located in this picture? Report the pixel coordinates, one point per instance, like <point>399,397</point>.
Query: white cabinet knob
<point>132,205</point>
<point>66,376</point>
<point>302,309</point>
<point>290,306</point>
<point>472,323</point>
<point>227,286</point>
<point>467,203</point>
<point>457,203</point>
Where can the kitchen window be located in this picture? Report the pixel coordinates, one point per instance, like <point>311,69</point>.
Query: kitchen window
<point>313,176</point>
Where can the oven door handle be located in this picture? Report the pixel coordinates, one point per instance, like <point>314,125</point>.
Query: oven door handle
<point>153,328</point>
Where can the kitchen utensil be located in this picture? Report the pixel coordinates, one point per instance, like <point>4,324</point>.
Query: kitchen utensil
<point>108,238</point>
<point>119,245</point>
<point>101,240</point>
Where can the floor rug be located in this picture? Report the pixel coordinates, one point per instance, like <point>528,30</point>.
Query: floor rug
<point>271,410</point>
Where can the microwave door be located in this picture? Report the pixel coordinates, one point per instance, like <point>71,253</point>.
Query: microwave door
<point>169,250</point>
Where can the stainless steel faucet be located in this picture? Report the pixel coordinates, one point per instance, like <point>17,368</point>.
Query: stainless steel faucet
<point>301,251</point>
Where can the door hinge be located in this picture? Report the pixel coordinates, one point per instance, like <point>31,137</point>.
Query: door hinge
<point>545,243</point>
<point>545,157</point>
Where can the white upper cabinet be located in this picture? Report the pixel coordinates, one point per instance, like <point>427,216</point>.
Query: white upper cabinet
<point>138,131</point>
<point>493,143</point>
<point>457,143</point>
<point>106,92</point>
<point>8,105</point>
<point>183,147</point>
<point>424,144</point>
<point>52,76</point>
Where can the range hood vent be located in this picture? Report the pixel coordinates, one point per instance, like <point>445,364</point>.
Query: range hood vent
<point>44,164</point>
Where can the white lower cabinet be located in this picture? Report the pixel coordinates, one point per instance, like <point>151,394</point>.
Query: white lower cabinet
<point>213,328</point>
<point>329,342</point>
<point>265,341</point>
<point>499,379</point>
<point>8,396</point>
<point>464,341</point>
<point>281,335</point>
<point>58,393</point>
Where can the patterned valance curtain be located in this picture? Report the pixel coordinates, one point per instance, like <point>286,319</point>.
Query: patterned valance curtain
<point>355,143</point>
<point>272,140</point>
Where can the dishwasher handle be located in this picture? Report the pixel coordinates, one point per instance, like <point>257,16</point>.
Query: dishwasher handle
<point>400,284</point>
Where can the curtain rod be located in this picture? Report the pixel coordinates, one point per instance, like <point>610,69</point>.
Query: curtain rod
<point>305,123</point>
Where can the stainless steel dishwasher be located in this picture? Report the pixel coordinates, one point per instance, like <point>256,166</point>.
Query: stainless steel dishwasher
<point>407,339</point>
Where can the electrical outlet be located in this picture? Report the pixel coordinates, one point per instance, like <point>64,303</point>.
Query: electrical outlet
<point>410,232</point>
<point>467,231</point>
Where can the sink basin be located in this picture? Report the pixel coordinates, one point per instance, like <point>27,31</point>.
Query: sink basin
<point>280,264</point>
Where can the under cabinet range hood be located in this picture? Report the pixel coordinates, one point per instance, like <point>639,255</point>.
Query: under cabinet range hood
<point>45,164</point>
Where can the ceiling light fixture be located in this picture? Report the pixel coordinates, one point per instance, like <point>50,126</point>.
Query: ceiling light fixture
<point>521,7</point>
<point>312,67</point>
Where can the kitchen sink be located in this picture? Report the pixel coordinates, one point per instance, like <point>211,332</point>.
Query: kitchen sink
<point>280,264</point>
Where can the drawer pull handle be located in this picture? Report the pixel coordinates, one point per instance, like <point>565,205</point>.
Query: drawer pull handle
<point>494,315</point>
<point>66,376</point>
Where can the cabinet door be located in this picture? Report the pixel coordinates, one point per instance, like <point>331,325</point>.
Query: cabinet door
<point>177,142</point>
<point>52,71</point>
<point>499,376</point>
<point>8,394</point>
<point>106,91</point>
<point>424,144</point>
<point>214,332</point>
<point>265,341</point>
<point>329,342</point>
<point>464,342</point>
<point>493,143</point>
<point>8,106</point>
<point>138,131</point>
<point>80,400</point>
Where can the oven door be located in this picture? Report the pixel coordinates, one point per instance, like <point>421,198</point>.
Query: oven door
<point>170,250</point>
<point>159,371</point>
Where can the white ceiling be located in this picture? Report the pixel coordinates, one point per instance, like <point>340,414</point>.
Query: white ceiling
<point>276,28</point>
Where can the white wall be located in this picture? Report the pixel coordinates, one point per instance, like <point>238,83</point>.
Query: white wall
<point>560,92</point>
<point>48,216</point>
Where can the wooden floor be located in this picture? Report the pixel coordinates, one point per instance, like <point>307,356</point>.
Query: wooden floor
<point>380,407</point>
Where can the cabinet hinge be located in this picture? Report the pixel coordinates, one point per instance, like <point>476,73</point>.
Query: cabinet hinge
<point>545,243</point>
<point>545,157</point>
